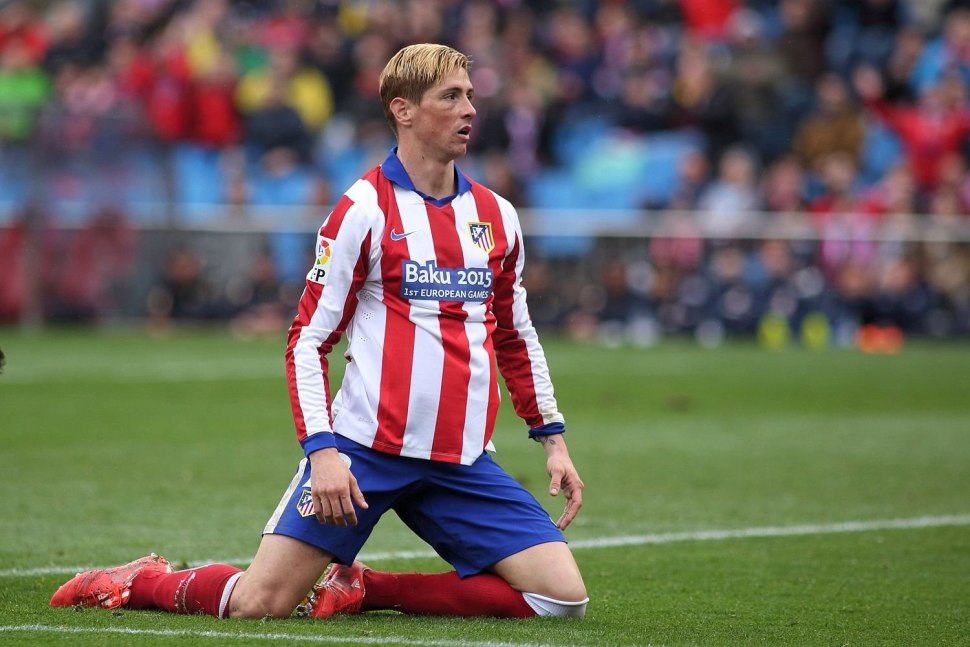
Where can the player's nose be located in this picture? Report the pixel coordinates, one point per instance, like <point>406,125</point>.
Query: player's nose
<point>468,108</point>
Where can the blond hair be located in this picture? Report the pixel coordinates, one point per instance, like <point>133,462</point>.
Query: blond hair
<point>414,70</point>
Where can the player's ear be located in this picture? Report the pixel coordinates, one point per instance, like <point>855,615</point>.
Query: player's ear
<point>402,110</point>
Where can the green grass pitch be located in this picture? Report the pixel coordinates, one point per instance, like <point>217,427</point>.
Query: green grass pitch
<point>734,497</point>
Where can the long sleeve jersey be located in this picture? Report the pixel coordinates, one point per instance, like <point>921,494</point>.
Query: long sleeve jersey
<point>430,297</point>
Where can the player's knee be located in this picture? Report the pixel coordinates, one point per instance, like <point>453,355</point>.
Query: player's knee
<point>567,585</point>
<point>260,604</point>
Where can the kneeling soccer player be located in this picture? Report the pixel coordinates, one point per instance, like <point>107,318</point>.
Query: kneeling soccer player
<point>421,267</point>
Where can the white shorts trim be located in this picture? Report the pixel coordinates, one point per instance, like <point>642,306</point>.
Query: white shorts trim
<point>295,483</point>
<point>544,606</point>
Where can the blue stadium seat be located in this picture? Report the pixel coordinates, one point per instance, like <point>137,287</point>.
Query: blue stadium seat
<point>196,174</point>
<point>881,150</point>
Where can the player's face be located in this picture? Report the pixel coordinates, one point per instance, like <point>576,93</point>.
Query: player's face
<point>443,119</point>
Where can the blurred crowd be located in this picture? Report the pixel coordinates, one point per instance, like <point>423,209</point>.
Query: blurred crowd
<point>854,112</point>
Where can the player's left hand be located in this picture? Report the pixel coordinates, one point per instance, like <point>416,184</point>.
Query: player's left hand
<point>564,478</point>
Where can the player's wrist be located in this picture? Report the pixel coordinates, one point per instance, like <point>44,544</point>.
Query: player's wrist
<point>544,431</point>
<point>318,441</point>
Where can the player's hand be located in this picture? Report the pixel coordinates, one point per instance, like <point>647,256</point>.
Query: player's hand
<point>334,489</point>
<point>564,478</point>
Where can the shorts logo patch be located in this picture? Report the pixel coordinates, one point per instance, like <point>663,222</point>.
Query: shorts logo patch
<point>481,233</point>
<point>321,268</point>
<point>305,505</point>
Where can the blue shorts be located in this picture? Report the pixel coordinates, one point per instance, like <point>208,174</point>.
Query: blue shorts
<point>472,515</point>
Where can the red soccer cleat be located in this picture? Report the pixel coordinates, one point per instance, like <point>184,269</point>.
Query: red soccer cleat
<point>342,591</point>
<point>107,587</point>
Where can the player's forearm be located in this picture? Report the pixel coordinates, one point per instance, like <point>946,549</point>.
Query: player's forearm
<point>555,445</point>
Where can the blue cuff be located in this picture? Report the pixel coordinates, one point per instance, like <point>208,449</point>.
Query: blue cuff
<point>317,441</point>
<point>551,429</point>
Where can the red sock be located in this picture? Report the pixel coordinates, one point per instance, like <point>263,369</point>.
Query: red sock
<point>443,594</point>
<point>197,590</point>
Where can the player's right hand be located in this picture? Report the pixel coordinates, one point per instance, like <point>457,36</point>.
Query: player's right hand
<point>334,489</point>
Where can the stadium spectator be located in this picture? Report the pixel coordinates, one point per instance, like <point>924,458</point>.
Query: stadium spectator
<point>259,301</point>
<point>896,195</point>
<point>948,53</point>
<point>14,284</point>
<point>693,176</point>
<point>901,299</point>
<point>86,123</point>
<point>955,179</point>
<point>215,122</point>
<point>24,89</point>
<point>930,130</point>
<point>768,275</point>
<point>70,41</point>
<point>29,250</point>
<point>805,26</point>
<point>898,69</point>
<point>515,126</point>
<point>163,83</point>
<point>183,292</point>
<point>643,104</point>
<point>864,32</point>
<point>275,130</point>
<point>329,51</point>
<point>370,51</point>
<point>21,29</point>
<point>304,88</point>
<point>948,276</point>
<point>707,19</point>
<point>614,303</point>
<point>757,77</point>
<point>783,186</point>
<point>704,101</point>
<point>572,50</point>
<point>727,204</point>
<point>90,267</point>
<point>835,125</point>
<point>845,222</point>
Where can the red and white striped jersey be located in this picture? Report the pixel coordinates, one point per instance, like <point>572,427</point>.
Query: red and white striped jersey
<point>429,295</point>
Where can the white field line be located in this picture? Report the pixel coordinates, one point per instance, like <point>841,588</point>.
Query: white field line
<point>612,542</point>
<point>270,637</point>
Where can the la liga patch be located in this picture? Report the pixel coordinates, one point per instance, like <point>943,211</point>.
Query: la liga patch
<point>321,266</point>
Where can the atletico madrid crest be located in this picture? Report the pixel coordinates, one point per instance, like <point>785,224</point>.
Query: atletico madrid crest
<point>481,233</point>
<point>305,505</point>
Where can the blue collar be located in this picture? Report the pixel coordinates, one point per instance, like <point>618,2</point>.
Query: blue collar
<point>395,172</point>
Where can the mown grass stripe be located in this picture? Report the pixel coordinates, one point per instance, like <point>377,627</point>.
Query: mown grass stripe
<point>911,523</point>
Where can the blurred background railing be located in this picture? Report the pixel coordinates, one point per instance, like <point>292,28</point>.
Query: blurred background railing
<point>631,277</point>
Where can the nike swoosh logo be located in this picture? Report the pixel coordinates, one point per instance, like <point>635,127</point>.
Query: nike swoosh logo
<point>397,236</point>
